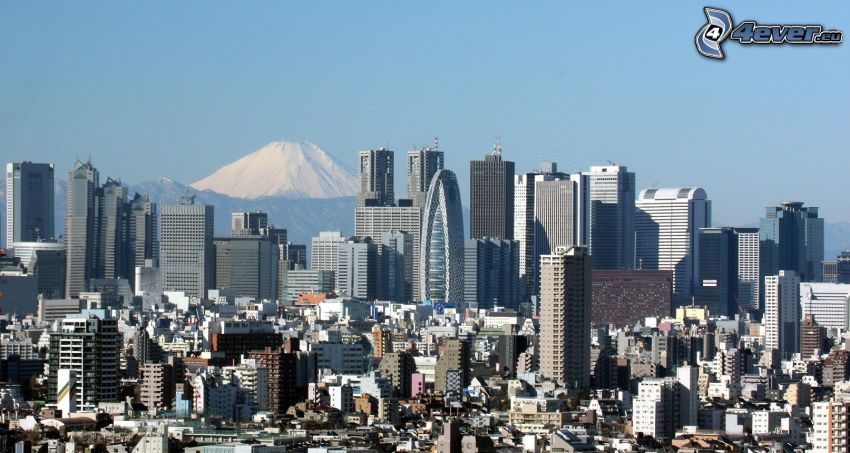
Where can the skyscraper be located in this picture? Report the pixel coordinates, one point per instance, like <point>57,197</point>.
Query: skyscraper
<point>357,269</point>
<point>748,268</point>
<point>324,250</point>
<point>554,218</point>
<point>565,296</point>
<point>792,239</point>
<point>667,222</point>
<point>422,164</point>
<point>186,247</point>
<point>782,313</point>
<point>141,232</point>
<point>441,261</point>
<point>83,181</point>
<point>29,202</point>
<point>375,221</point>
<point>111,221</point>
<point>247,265</point>
<point>490,269</point>
<point>377,178</point>
<point>524,225</point>
<point>89,345</point>
<point>717,285</point>
<point>395,273</point>
<point>491,196</point>
<point>611,205</point>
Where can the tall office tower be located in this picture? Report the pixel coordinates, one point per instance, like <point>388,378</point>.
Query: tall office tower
<point>490,269</point>
<point>554,219</point>
<point>667,222</point>
<point>141,232</point>
<point>374,221</point>
<point>524,226</point>
<point>491,196</point>
<point>90,346</point>
<point>29,202</point>
<point>395,272</point>
<point>646,293</point>
<point>717,286</point>
<point>83,181</point>
<point>611,206</point>
<point>247,266</point>
<point>324,250</point>
<point>830,427</point>
<point>422,164</point>
<point>812,337</point>
<point>357,269</point>
<point>441,256</point>
<point>782,313</point>
<point>111,221</point>
<point>748,268</point>
<point>565,296</point>
<point>792,239</point>
<point>187,260</point>
<point>377,178</point>
<point>452,370</point>
<point>247,223</point>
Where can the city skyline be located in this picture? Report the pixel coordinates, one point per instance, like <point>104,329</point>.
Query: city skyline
<point>579,104</point>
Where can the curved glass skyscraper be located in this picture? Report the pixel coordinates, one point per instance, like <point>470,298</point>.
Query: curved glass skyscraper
<point>442,241</point>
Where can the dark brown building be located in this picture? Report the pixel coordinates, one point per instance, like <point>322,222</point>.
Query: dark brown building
<point>812,336</point>
<point>289,373</point>
<point>491,196</point>
<point>234,345</point>
<point>624,297</point>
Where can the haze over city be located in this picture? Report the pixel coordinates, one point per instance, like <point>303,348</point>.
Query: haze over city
<point>375,227</point>
<point>180,89</point>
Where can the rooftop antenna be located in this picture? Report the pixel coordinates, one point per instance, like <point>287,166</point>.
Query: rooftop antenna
<point>436,142</point>
<point>497,146</point>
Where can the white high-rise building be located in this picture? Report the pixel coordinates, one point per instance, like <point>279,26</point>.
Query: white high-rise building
<point>524,227</point>
<point>667,223</point>
<point>441,241</point>
<point>748,267</point>
<point>782,313</point>
<point>828,302</point>
<point>830,427</point>
<point>653,409</point>
<point>356,274</point>
<point>324,251</point>
<point>554,215</point>
<point>375,221</point>
<point>688,377</point>
<point>187,252</point>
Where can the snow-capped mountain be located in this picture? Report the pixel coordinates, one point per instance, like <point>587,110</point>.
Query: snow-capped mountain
<point>282,169</point>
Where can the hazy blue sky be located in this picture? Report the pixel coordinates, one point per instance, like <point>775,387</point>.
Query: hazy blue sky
<point>178,89</point>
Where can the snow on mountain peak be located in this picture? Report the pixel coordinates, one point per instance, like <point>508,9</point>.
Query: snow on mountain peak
<point>285,169</point>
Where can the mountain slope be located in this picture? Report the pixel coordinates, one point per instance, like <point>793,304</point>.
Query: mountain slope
<point>282,169</point>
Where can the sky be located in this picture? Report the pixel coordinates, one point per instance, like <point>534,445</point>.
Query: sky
<point>178,89</point>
